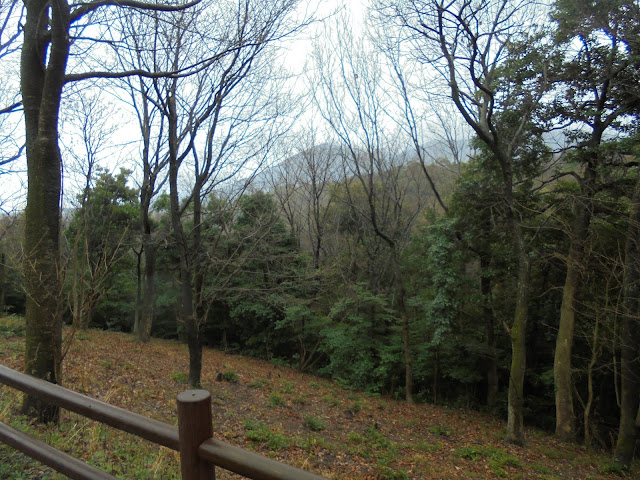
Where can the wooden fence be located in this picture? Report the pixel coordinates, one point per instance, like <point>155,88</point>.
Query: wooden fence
<point>199,452</point>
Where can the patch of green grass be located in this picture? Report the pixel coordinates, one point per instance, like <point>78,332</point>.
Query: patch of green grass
<point>260,434</point>
<point>427,447</point>
<point>540,468</point>
<point>230,376</point>
<point>12,326</point>
<point>386,473</point>
<point>610,467</point>
<point>554,453</point>
<point>277,400</point>
<point>355,407</point>
<point>314,385</point>
<point>287,387</point>
<point>372,444</point>
<point>310,443</point>
<point>15,348</point>
<point>314,423</point>
<point>441,430</point>
<point>82,336</point>
<point>498,459</point>
<point>260,383</point>
<point>331,400</point>
<point>300,400</point>
<point>180,377</point>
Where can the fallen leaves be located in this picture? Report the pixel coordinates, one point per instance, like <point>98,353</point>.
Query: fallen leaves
<point>362,437</point>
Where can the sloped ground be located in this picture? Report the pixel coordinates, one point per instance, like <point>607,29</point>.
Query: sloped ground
<point>300,419</point>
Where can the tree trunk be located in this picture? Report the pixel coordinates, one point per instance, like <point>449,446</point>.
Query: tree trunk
<point>199,309</point>
<point>143,333</point>
<point>515,418</point>
<point>406,333</point>
<point>45,50</point>
<point>565,415</point>
<point>181,243</point>
<point>630,340</point>
<point>3,259</point>
<point>492,361</point>
<point>138,309</point>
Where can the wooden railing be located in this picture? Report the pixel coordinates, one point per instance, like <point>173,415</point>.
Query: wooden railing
<point>199,452</point>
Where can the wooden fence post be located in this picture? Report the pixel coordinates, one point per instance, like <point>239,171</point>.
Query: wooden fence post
<point>194,427</point>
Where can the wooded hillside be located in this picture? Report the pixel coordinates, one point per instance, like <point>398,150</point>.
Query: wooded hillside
<point>442,206</point>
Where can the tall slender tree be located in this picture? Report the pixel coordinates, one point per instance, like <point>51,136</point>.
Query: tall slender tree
<point>468,42</point>
<point>595,100</point>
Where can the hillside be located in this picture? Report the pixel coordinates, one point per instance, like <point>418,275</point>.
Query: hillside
<point>301,419</point>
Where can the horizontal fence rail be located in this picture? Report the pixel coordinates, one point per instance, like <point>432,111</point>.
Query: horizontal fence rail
<point>60,461</point>
<point>212,451</point>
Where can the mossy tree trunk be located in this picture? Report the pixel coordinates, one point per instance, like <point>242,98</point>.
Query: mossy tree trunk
<point>515,416</point>
<point>565,415</point>
<point>44,56</point>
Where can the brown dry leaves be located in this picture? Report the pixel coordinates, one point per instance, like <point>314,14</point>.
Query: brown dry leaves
<point>364,437</point>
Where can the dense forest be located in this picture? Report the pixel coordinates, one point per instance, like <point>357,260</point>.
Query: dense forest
<point>443,206</point>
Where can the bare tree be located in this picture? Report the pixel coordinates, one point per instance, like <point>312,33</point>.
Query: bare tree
<point>351,100</point>
<point>12,149</point>
<point>220,122</point>
<point>303,186</point>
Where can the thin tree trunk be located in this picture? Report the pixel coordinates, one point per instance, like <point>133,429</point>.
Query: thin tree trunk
<point>565,415</point>
<point>492,361</point>
<point>436,375</point>
<point>148,291</point>
<point>515,417</point>
<point>630,340</point>
<point>180,240</point>
<point>3,259</point>
<point>592,363</point>
<point>139,280</point>
<point>406,332</point>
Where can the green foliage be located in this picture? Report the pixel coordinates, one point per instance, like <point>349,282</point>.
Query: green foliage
<point>313,423</point>
<point>331,400</point>
<point>300,400</point>
<point>180,377</point>
<point>362,341</point>
<point>387,473</point>
<point>230,376</point>
<point>261,434</point>
<point>498,459</point>
<point>261,383</point>
<point>277,400</point>
<point>287,387</point>
<point>428,447</point>
<point>355,407</point>
<point>310,443</point>
<point>611,467</point>
<point>441,430</point>
<point>12,326</point>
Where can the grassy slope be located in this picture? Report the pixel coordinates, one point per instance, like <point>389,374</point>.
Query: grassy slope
<point>303,420</point>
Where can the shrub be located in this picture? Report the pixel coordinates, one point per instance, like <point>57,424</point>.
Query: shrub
<point>260,433</point>
<point>276,400</point>
<point>180,377</point>
<point>12,326</point>
<point>313,423</point>
<point>230,376</point>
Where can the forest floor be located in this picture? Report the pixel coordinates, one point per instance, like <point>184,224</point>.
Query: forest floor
<point>300,419</point>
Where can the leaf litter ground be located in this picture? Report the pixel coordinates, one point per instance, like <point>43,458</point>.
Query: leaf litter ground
<point>296,418</point>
